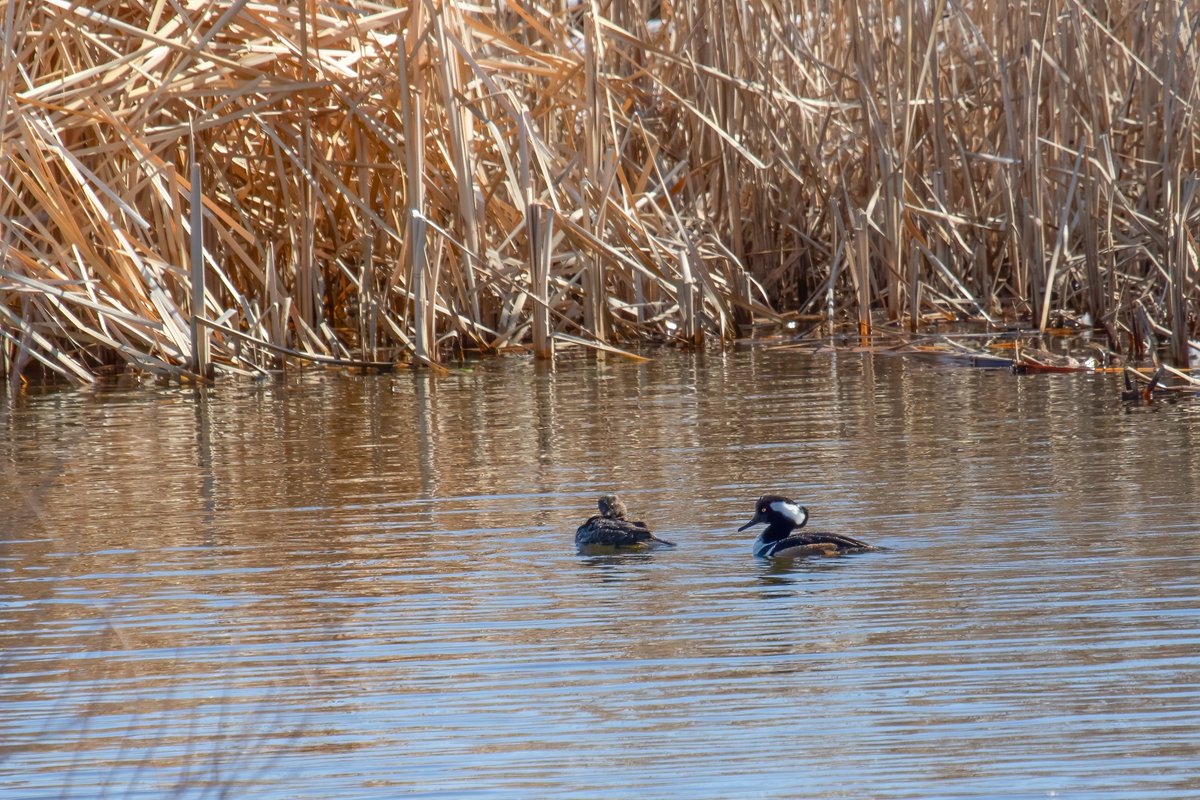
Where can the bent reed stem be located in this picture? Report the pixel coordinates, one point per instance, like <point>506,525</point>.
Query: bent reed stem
<point>365,174</point>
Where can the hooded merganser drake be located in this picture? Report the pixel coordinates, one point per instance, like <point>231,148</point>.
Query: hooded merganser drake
<point>609,528</point>
<point>783,516</point>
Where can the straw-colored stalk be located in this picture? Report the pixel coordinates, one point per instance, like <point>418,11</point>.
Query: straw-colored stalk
<point>366,171</point>
<point>541,227</point>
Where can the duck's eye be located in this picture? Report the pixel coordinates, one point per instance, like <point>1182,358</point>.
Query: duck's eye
<point>763,510</point>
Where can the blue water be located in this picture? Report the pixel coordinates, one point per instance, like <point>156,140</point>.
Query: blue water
<point>365,587</point>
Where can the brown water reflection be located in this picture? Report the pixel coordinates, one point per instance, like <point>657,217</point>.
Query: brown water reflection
<point>365,587</point>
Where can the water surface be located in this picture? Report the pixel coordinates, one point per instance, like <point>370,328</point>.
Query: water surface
<point>365,587</point>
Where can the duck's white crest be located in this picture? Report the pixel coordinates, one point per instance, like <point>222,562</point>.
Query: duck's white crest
<point>790,510</point>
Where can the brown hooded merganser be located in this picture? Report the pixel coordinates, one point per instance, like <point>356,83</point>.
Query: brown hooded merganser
<point>609,528</point>
<point>784,516</point>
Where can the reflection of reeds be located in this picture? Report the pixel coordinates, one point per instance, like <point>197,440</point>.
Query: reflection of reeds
<point>366,173</point>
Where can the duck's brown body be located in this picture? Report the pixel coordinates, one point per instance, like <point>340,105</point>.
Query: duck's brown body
<point>609,528</point>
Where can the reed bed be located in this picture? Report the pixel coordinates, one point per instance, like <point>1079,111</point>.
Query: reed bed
<point>229,185</point>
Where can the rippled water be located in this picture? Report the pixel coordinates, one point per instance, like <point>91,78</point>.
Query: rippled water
<point>345,586</point>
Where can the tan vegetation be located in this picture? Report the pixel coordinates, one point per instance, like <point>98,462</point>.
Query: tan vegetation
<point>381,184</point>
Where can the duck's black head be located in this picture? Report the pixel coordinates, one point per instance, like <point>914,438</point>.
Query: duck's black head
<point>778,512</point>
<point>612,507</point>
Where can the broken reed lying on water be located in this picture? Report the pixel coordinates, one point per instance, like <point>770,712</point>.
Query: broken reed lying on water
<point>379,184</point>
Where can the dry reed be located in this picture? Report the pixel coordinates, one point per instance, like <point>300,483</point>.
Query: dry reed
<point>367,174</point>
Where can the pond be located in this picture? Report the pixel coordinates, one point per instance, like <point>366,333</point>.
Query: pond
<point>349,586</point>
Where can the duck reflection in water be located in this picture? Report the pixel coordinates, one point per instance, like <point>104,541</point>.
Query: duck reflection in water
<point>610,530</point>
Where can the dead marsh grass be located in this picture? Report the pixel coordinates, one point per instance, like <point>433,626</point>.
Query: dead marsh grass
<point>380,184</point>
